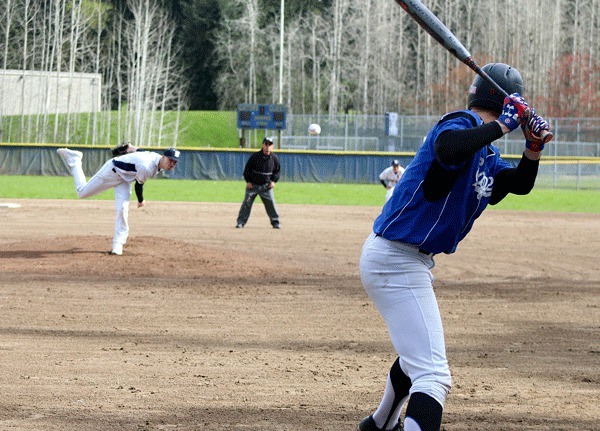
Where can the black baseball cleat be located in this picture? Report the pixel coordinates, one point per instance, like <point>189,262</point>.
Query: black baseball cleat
<point>368,424</point>
<point>276,226</point>
<point>239,226</point>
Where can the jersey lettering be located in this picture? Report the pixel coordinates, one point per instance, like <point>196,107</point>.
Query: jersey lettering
<point>483,185</point>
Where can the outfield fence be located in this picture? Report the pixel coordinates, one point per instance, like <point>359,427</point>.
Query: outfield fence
<point>296,165</point>
<point>573,137</point>
<point>570,161</point>
<point>565,173</point>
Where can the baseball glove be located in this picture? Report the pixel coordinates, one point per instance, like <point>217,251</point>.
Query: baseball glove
<point>121,149</point>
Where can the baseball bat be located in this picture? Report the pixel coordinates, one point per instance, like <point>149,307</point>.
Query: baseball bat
<point>438,30</point>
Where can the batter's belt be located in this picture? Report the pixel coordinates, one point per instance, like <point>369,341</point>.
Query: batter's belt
<point>410,247</point>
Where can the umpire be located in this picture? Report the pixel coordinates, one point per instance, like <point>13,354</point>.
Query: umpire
<point>261,173</point>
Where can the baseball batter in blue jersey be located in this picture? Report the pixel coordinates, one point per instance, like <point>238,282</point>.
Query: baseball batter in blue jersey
<point>455,174</point>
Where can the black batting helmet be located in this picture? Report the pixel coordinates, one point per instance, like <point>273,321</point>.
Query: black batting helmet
<point>483,95</point>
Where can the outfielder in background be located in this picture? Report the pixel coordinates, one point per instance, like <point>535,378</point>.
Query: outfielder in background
<point>261,173</point>
<point>389,177</point>
<point>455,174</point>
<point>118,173</point>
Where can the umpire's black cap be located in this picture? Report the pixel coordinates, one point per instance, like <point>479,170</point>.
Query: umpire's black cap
<point>172,154</point>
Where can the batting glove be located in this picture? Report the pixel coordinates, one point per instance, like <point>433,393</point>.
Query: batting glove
<point>513,111</point>
<point>533,130</point>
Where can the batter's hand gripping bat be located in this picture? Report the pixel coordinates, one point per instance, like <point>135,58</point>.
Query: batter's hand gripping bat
<point>432,25</point>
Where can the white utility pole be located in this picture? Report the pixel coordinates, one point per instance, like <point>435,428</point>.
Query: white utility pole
<point>282,9</point>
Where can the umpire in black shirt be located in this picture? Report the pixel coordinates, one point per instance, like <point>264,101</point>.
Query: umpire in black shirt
<point>261,173</point>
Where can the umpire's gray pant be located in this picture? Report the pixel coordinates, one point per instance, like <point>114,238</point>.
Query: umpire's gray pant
<point>268,198</point>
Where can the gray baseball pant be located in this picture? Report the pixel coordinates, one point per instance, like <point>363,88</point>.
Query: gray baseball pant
<point>268,198</point>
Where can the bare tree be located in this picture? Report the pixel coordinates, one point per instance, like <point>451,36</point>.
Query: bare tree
<point>378,59</point>
<point>239,45</point>
<point>137,58</point>
<point>335,49</point>
<point>317,49</point>
<point>364,55</point>
<point>149,65</point>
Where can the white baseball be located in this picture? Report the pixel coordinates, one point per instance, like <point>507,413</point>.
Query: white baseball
<point>314,129</point>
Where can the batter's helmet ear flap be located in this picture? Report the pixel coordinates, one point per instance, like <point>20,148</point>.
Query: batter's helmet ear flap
<point>483,95</point>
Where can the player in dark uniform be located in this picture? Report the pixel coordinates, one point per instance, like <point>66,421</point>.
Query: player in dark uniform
<point>261,173</point>
<point>455,174</point>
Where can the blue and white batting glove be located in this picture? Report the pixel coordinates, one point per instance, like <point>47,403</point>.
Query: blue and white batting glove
<point>513,111</point>
<point>533,130</point>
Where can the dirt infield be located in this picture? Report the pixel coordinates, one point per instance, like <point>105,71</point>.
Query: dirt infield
<point>201,326</point>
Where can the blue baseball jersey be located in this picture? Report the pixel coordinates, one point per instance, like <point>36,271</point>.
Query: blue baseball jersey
<point>440,225</point>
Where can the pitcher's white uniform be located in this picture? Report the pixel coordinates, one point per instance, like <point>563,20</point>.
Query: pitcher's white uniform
<point>118,173</point>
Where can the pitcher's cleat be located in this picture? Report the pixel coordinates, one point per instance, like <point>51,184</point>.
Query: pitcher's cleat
<point>71,157</point>
<point>368,424</point>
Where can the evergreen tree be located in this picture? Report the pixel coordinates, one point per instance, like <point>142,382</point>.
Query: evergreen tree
<point>197,23</point>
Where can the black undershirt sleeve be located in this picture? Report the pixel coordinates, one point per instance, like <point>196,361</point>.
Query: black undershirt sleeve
<point>457,146</point>
<point>519,180</point>
<point>139,192</point>
<point>383,182</point>
<point>438,181</point>
<point>454,147</point>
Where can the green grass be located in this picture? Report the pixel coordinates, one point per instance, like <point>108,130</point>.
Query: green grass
<point>30,187</point>
<point>580,201</point>
<point>209,129</point>
<point>197,129</point>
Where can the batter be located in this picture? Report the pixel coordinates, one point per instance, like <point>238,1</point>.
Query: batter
<point>119,173</point>
<point>455,174</point>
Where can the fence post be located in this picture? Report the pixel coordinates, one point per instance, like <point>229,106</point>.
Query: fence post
<point>346,132</point>
<point>555,145</point>
<point>401,131</point>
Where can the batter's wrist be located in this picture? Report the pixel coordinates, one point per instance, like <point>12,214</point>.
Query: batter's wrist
<point>532,155</point>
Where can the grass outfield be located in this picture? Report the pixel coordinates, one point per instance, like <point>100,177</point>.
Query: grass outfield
<point>206,129</point>
<point>32,187</point>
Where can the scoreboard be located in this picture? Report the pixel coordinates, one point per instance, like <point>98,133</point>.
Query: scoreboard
<point>256,116</point>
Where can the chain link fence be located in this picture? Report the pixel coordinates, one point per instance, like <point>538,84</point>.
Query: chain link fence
<point>356,133</point>
<point>570,161</point>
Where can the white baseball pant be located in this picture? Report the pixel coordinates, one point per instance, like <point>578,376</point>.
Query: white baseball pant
<point>106,178</point>
<point>389,193</point>
<point>398,280</point>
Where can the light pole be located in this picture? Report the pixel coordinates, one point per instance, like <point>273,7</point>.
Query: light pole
<point>281,10</point>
